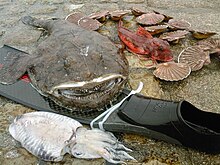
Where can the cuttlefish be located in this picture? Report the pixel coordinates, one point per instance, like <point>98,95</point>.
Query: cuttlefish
<point>50,136</point>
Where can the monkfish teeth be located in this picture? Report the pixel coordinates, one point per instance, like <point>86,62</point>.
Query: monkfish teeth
<point>95,92</point>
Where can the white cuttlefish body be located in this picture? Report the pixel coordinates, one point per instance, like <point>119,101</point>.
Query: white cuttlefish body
<point>49,136</point>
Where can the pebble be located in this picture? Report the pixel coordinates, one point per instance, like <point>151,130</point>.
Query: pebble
<point>12,154</point>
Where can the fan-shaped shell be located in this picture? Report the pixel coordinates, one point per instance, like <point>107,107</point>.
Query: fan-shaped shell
<point>83,21</point>
<point>156,29</point>
<point>172,36</point>
<point>212,45</point>
<point>44,134</point>
<point>150,19</point>
<point>101,16</point>
<point>89,23</point>
<point>195,57</point>
<point>74,17</point>
<point>137,11</point>
<point>167,17</point>
<point>116,15</point>
<point>202,34</point>
<point>171,71</point>
<point>179,24</point>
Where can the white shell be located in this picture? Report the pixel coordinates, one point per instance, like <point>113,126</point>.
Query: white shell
<point>195,57</point>
<point>44,134</point>
<point>171,71</point>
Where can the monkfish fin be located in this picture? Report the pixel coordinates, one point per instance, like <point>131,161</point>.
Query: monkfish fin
<point>31,21</point>
<point>13,64</point>
<point>28,20</point>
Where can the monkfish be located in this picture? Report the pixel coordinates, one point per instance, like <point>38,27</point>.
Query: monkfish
<point>77,68</point>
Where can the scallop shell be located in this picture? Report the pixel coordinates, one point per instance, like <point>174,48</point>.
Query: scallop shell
<point>150,19</point>
<point>101,16</point>
<point>44,134</point>
<point>118,14</point>
<point>171,71</point>
<point>156,29</point>
<point>83,21</point>
<point>202,34</point>
<point>137,11</point>
<point>74,17</point>
<point>167,17</point>
<point>212,45</point>
<point>179,24</point>
<point>172,36</point>
<point>89,23</point>
<point>195,57</point>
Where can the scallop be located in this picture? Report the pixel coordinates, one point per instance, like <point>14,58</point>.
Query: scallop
<point>167,17</point>
<point>74,17</point>
<point>89,23</point>
<point>100,16</point>
<point>173,36</point>
<point>137,11</point>
<point>171,71</point>
<point>49,136</point>
<point>178,24</point>
<point>202,34</point>
<point>211,45</point>
<point>156,29</point>
<point>195,57</point>
<point>118,14</point>
<point>83,21</point>
<point>150,19</point>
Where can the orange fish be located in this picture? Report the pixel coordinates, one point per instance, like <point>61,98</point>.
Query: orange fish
<point>143,43</point>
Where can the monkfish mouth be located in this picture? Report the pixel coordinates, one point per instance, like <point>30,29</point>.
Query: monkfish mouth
<point>92,93</point>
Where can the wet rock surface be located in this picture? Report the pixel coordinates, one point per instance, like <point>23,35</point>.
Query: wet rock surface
<point>201,88</point>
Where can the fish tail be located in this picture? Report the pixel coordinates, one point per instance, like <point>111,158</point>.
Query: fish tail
<point>120,23</point>
<point>13,64</point>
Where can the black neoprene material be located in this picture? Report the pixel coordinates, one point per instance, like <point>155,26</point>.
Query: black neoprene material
<point>146,111</point>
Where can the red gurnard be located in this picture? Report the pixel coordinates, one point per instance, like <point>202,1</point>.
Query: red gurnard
<point>143,43</point>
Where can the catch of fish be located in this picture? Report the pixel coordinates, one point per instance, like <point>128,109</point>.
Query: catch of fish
<point>81,69</point>
<point>153,37</point>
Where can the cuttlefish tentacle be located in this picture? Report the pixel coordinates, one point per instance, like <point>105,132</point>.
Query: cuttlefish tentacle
<point>96,143</point>
<point>50,136</point>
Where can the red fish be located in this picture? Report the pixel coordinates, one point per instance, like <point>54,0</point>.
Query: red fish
<point>143,43</point>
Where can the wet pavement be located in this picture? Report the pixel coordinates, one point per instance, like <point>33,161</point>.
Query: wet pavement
<point>201,88</point>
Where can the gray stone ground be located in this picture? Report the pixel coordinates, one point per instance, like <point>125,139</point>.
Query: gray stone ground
<point>201,88</point>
